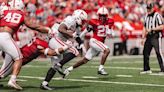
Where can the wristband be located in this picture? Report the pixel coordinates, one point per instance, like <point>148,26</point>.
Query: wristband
<point>57,51</point>
<point>65,47</point>
<point>46,51</point>
<point>49,30</point>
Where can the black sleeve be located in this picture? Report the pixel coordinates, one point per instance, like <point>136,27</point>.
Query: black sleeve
<point>89,28</point>
<point>78,40</point>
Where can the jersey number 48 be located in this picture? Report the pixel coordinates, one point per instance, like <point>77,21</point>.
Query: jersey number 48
<point>13,17</point>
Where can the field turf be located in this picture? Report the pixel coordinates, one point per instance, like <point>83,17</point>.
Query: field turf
<point>123,76</point>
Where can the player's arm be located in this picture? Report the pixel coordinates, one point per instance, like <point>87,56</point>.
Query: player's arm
<point>89,28</point>
<point>29,23</point>
<point>64,30</point>
<point>51,52</point>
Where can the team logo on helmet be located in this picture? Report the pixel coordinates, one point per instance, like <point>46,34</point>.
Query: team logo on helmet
<point>80,15</point>
<point>102,11</point>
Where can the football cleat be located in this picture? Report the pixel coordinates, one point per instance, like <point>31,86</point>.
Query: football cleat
<point>59,68</point>
<point>13,84</point>
<point>102,72</point>
<point>66,73</point>
<point>45,87</point>
<point>146,72</point>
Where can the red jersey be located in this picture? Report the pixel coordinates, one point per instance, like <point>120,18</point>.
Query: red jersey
<point>31,51</point>
<point>99,29</point>
<point>13,19</point>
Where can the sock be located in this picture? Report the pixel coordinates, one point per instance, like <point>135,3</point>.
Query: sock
<point>70,68</point>
<point>44,83</point>
<point>67,58</point>
<point>51,72</point>
<point>101,67</point>
<point>13,78</point>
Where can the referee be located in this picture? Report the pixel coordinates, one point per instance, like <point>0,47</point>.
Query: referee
<point>153,26</point>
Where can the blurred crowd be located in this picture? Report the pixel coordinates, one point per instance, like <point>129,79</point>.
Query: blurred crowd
<point>127,14</point>
<point>50,11</point>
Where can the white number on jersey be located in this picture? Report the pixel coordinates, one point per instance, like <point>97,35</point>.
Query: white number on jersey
<point>13,17</point>
<point>102,30</point>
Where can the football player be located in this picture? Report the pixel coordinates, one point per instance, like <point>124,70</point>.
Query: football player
<point>101,28</point>
<point>67,29</point>
<point>30,51</point>
<point>10,21</point>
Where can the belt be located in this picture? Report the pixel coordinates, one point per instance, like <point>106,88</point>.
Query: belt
<point>153,32</point>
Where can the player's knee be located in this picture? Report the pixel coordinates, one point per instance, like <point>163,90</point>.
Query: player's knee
<point>52,68</point>
<point>85,60</point>
<point>107,51</point>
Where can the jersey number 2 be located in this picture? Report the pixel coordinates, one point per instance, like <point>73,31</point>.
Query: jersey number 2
<point>13,17</point>
<point>102,30</point>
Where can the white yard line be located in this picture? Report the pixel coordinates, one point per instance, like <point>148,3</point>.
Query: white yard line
<point>108,67</point>
<point>90,77</point>
<point>21,80</point>
<point>95,81</point>
<point>126,76</point>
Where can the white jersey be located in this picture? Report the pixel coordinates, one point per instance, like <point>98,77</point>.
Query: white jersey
<point>70,22</point>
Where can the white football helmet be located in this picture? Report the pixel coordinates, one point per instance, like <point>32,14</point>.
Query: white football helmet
<point>80,15</point>
<point>102,11</point>
<point>3,7</point>
<point>16,4</point>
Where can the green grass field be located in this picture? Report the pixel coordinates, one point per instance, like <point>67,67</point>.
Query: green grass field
<point>123,77</point>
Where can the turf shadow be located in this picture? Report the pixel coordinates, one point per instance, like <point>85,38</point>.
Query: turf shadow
<point>69,87</point>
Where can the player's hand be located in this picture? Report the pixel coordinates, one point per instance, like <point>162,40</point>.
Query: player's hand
<point>79,40</point>
<point>74,35</point>
<point>69,43</point>
<point>110,33</point>
<point>51,33</point>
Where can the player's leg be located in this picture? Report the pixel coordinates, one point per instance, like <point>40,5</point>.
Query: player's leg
<point>54,43</point>
<point>51,72</point>
<point>89,55</point>
<point>6,68</point>
<point>70,54</point>
<point>99,46</point>
<point>9,46</point>
<point>44,85</point>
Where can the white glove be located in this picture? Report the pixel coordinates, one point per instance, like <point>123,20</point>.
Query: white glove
<point>69,43</point>
<point>74,34</point>
<point>51,33</point>
<point>110,32</point>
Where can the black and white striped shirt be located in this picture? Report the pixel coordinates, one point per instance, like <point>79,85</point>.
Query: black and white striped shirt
<point>153,20</point>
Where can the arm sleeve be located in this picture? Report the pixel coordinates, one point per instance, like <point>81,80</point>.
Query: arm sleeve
<point>160,19</point>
